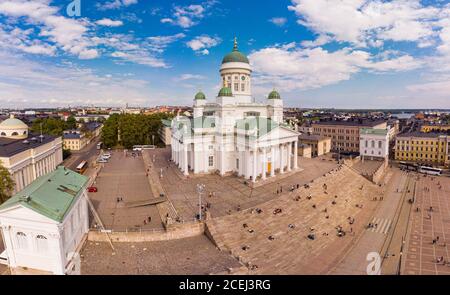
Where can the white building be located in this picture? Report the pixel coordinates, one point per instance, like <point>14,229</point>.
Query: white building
<point>374,143</point>
<point>235,134</point>
<point>27,156</point>
<point>44,225</point>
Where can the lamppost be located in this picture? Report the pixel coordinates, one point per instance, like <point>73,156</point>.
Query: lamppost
<point>200,189</point>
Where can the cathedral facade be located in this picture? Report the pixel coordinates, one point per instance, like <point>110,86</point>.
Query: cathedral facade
<point>235,134</point>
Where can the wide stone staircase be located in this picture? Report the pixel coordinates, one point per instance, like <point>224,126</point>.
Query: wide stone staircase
<point>302,237</point>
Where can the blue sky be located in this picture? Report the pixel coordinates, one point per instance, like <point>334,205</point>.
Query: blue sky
<point>316,53</point>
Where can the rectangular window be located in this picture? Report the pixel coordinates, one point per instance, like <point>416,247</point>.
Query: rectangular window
<point>211,161</point>
<point>242,87</point>
<point>236,86</point>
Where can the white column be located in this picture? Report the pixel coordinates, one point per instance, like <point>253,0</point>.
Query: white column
<point>264,168</point>
<point>295,154</point>
<point>248,157</point>
<point>281,159</point>
<point>255,157</point>
<point>272,164</point>
<point>185,160</point>
<point>289,157</point>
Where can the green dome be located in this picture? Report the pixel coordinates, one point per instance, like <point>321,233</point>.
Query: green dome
<point>235,55</point>
<point>200,95</point>
<point>274,95</point>
<point>225,91</point>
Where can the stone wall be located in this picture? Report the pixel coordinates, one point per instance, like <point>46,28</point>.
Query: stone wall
<point>178,231</point>
<point>379,174</point>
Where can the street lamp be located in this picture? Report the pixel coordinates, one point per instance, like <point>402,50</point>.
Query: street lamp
<point>200,189</point>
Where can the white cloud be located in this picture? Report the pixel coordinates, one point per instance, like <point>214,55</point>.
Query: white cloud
<point>189,15</point>
<point>109,22</point>
<point>289,68</point>
<point>115,4</point>
<point>69,35</point>
<point>358,21</point>
<point>201,43</point>
<point>185,77</point>
<point>25,83</point>
<point>278,21</point>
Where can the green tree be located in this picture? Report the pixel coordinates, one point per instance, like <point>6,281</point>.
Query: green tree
<point>71,123</point>
<point>50,126</point>
<point>6,184</point>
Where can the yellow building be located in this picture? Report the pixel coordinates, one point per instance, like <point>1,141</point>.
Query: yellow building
<point>423,148</point>
<point>25,155</point>
<point>320,145</point>
<point>74,140</point>
<point>434,128</point>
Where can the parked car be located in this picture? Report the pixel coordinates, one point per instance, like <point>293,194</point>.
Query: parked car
<point>106,155</point>
<point>92,189</point>
<point>101,160</point>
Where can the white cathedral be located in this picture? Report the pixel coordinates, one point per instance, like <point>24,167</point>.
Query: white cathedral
<point>235,134</point>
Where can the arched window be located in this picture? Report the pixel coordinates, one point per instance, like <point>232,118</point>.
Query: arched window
<point>21,240</point>
<point>14,134</point>
<point>3,134</point>
<point>41,243</point>
<point>24,132</point>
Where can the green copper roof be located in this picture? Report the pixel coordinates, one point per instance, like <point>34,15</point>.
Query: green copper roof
<point>274,95</point>
<point>51,195</point>
<point>373,131</point>
<point>200,95</point>
<point>235,55</point>
<point>225,91</point>
<point>260,125</point>
<point>166,122</point>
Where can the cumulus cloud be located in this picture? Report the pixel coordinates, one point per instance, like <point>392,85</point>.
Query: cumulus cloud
<point>189,15</point>
<point>360,21</point>
<point>290,67</point>
<point>278,21</point>
<point>201,44</point>
<point>109,22</point>
<point>115,4</point>
<point>68,34</point>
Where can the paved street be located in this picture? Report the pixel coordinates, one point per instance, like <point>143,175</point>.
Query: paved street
<point>427,225</point>
<point>372,240</point>
<point>85,154</point>
<point>124,177</point>
<point>190,256</point>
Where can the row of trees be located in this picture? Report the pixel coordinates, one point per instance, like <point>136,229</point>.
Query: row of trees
<point>6,184</point>
<point>53,126</point>
<point>126,130</point>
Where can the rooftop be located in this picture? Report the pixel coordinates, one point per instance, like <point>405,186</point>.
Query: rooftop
<point>10,147</point>
<point>312,137</point>
<point>422,134</point>
<point>359,122</point>
<point>51,195</point>
<point>374,131</point>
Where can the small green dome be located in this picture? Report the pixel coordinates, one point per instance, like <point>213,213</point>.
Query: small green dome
<point>274,95</point>
<point>200,95</point>
<point>225,91</point>
<point>235,55</point>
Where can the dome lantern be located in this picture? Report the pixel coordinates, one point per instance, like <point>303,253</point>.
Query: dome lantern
<point>235,55</point>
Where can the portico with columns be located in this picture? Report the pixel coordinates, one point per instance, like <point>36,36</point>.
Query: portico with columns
<point>235,134</point>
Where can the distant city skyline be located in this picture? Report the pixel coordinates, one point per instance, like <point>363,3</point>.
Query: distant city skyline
<point>316,53</point>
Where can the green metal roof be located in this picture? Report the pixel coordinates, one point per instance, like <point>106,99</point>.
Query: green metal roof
<point>262,125</point>
<point>225,91</point>
<point>374,131</point>
<point>51,195</point>
<point>200,95</point>
<point>167,123</point>
<point>235,55</point>
<point>274,95</point>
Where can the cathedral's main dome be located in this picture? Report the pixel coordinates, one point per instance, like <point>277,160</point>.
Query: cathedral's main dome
<point>235,56</point>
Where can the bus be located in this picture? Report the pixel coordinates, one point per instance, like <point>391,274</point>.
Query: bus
<point>143,147</point>
<point>408,166</point>
<point>430,170</point>
<point>82,167</point>
<point>99,145</point>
